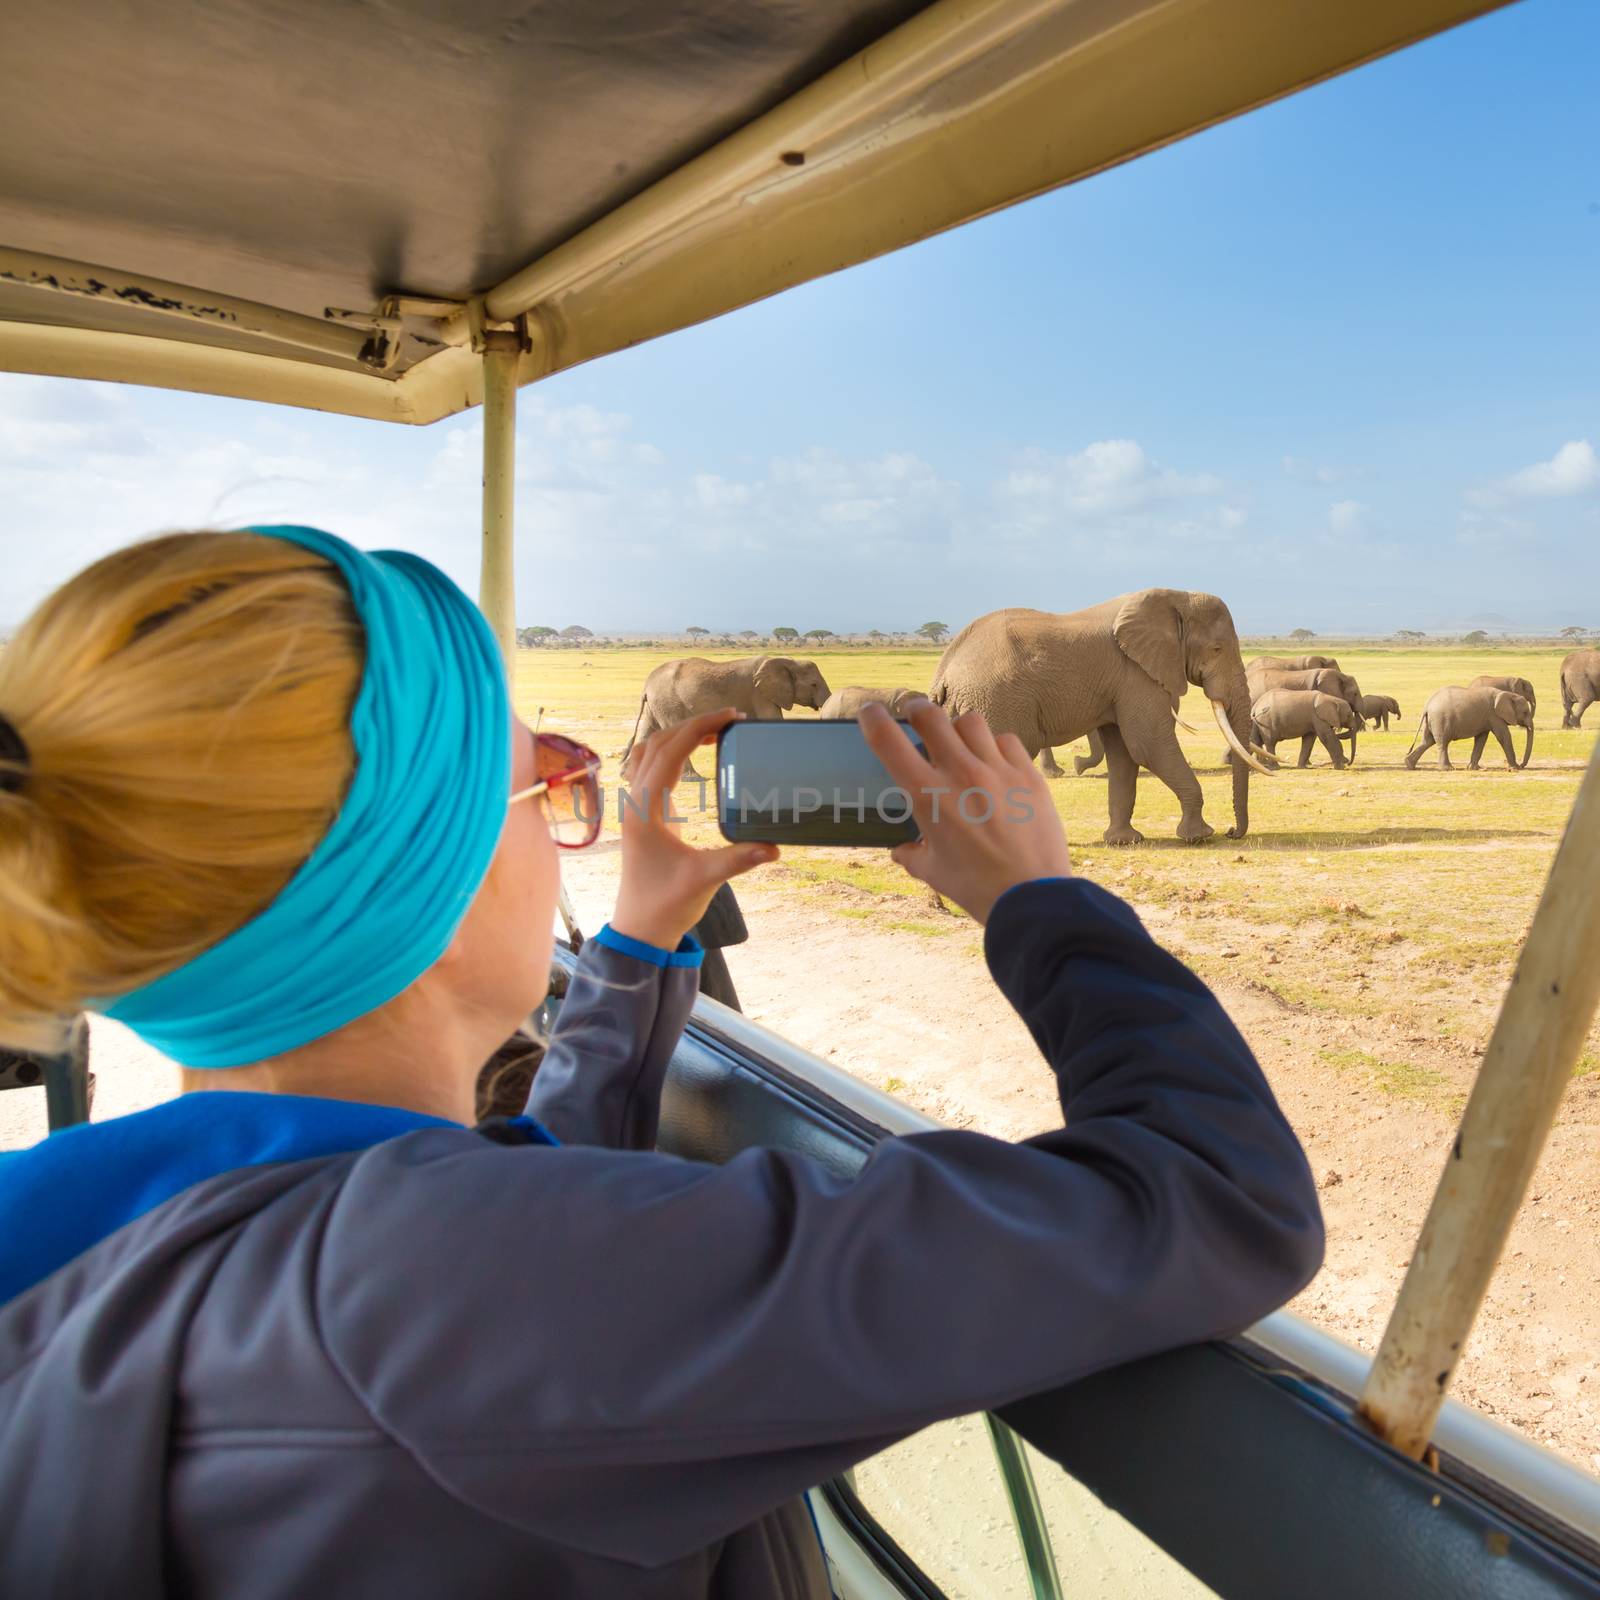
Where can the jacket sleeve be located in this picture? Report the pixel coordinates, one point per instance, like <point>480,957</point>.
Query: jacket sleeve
<point>624,1012</point>
<point>634,1354</point>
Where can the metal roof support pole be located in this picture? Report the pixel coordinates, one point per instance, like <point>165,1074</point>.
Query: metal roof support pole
<point>1542,1025</point>
<point>497,578</point>
<point>497,584</point>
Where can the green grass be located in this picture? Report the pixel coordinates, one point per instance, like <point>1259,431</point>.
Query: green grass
<point>1401,1078</point>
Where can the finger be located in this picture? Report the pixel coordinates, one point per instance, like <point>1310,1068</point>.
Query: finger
<point>731,860</point>
<point>664,761</point>
<point>946,749</point>
<point>1014,751</point>
<point>890,743</point>
<point>913,857</point>
<point>975,734</point>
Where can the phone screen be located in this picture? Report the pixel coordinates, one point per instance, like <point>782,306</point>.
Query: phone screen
<point>808,783</point>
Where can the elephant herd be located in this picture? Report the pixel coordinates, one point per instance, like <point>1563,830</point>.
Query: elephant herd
<point>1114,673</point>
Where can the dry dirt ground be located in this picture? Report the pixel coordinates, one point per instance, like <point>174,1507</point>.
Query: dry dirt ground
<point>917,1014</point>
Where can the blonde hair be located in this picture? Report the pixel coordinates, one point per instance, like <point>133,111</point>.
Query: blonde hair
<point>185,704</point>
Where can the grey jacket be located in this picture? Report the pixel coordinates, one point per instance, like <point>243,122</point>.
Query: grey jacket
<point>444,1364</point>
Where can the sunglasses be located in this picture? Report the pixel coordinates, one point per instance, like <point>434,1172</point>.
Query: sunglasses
<point>569,786</point>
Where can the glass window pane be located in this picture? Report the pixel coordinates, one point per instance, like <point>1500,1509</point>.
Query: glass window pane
<point>1098,1553</point>
<point>938,1496</point>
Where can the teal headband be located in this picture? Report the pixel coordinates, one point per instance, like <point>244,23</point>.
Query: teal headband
<point>379,899</point>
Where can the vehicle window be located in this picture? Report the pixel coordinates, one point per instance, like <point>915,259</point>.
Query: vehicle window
<point>1099,1552</point>
<point>938,1495</point>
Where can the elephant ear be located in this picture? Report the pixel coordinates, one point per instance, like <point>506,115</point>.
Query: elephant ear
<point>775,680</point>
<point>1149,631</point>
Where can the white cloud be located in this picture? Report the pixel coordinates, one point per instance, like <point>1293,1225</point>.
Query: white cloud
<point>1573,470</point>
<point>1111,475</point>
<point>1347,516</point>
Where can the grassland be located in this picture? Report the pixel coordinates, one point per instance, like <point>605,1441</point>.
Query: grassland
<point>1377,892</point>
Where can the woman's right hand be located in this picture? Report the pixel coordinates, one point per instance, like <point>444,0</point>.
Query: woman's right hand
<point>984,809</point>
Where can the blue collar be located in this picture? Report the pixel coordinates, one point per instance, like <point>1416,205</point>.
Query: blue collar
<point>70,1191</point>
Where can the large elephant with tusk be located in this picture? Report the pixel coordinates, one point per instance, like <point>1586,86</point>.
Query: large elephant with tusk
<point>1118,668</point>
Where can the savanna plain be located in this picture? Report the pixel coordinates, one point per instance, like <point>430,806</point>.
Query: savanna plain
<point>1361,935</point>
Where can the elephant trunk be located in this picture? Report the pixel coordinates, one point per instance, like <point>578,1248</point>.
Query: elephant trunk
<point>1241,794</point>
<point>1527,749</point>
<point>1352,745</point>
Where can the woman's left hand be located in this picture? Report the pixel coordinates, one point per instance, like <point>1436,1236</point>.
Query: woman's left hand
<point>666,883</point>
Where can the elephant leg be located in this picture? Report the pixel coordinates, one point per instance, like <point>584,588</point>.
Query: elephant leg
<point>1306,741</point>
<point>1122,775</point>
<point>1418,751</point>
<point>1330,743</point>
<point>1444,756</point>
<point>1503,735</point>
<point>1477,749</point>
<point>1097,754</point>
<point>1048,765</point>
<point>1163,755</point>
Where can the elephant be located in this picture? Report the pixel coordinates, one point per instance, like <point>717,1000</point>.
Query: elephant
<point>1472,714</point>
<point>1329,680</point>
<point>1580,685</point>
<point>847,703</point>
<point>1119,667</point>
<point>1377,709</point>
<point>1290,663</point>
<point>1308,714</point>
<point>763,687</point>
<point>1515,685</point>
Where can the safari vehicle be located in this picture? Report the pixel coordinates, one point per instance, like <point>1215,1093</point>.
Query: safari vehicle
<point>403,212</point>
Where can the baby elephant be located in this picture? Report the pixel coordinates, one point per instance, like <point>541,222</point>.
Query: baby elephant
<point>848,702</point>
<point>1472,714</point>
<point>1378,708</point>
<point>1308,714</point>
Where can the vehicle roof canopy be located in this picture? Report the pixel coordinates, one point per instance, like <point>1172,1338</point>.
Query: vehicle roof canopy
<point>324,205</point>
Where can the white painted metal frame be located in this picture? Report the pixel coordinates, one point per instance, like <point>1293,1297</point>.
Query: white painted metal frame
<point>1526,1469</point>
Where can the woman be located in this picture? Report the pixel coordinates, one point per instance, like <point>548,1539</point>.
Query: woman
<point>305,1331</point>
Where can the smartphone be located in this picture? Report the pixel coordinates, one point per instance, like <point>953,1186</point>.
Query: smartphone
<point>808,783</point>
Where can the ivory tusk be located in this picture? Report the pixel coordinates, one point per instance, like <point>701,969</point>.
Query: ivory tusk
<point>1220,712</point>
<point>1181,723</point>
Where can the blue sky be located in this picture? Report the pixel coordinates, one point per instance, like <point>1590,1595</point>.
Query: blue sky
<point>1338,361</point>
